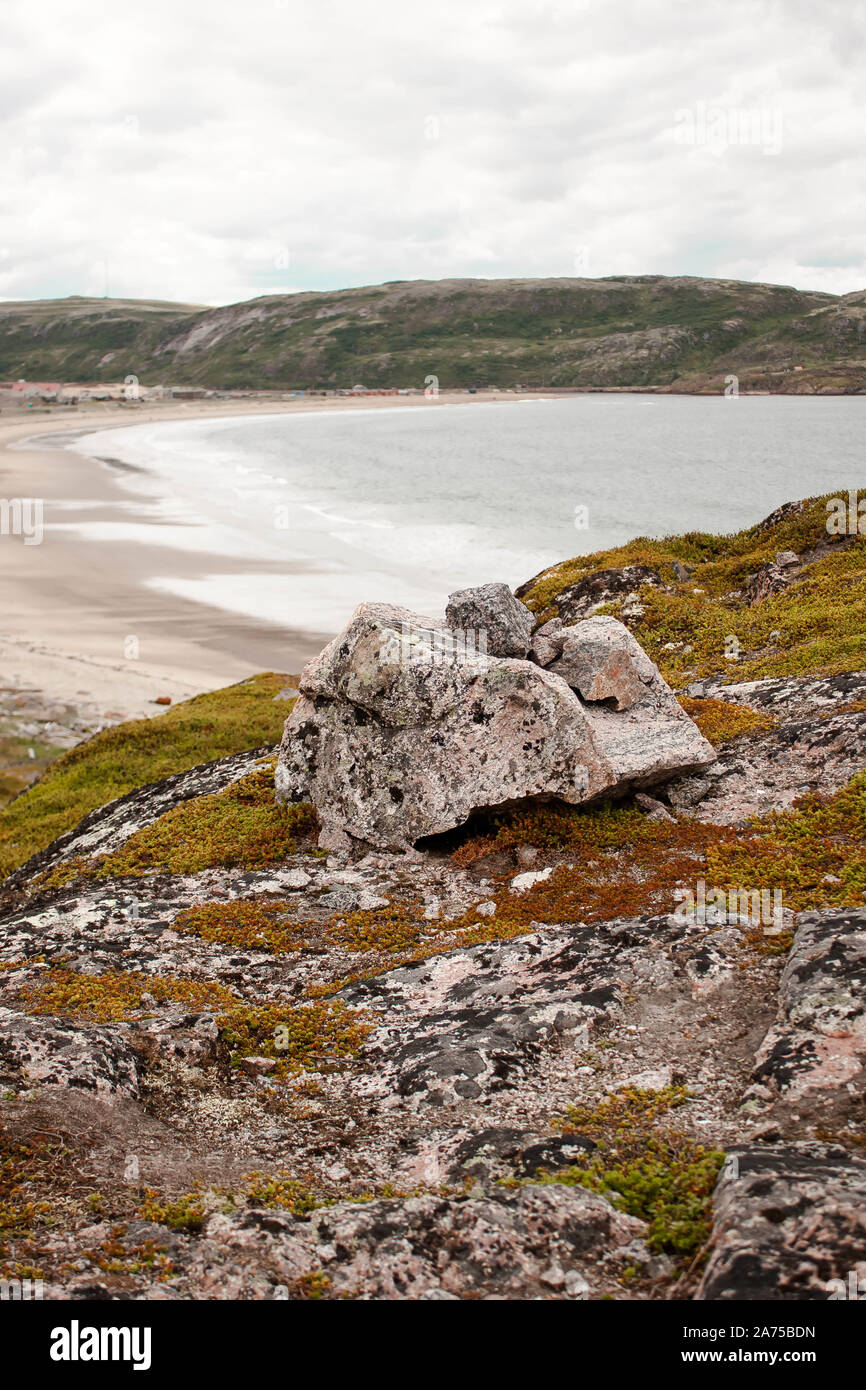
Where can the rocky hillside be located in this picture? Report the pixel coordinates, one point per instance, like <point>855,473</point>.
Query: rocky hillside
<point>681,333</point>
<point>514,1060</point>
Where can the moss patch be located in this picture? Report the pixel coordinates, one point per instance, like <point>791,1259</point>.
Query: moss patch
<point>29,1170</point>
<point>22,759</point>
<point>116,995</point>
<point>621,864</point>
<point>823,837</point>
<point>278,1190</point>
<point>618,864</point>
<point>132,755</point>
<point>311,1037</point>
<point>263,924</point>
<point>241,826</point>
<point>721,720</point>
<point>250,924</point>
<point>655,1173</point>
<point>185,1213</point>
<point>817,625</point>
<point>112,1256</point>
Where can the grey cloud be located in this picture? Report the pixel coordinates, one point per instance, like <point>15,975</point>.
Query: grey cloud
<point>193,143</point>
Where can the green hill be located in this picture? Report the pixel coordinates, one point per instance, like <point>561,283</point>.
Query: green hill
<point>673,334</point>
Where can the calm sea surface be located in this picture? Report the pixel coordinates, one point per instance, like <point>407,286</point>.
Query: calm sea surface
<point>407,505</point>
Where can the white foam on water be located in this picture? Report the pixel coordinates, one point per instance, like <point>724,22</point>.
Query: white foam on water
<point>408,504</point>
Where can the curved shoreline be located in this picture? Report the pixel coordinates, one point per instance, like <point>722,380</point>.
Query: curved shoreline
<point>67,605</point>
<point>95,581</point>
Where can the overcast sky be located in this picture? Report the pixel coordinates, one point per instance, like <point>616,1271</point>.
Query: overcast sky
<point>207,151</point>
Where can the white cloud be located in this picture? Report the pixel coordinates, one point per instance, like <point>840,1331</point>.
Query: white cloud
<point>211,151</point>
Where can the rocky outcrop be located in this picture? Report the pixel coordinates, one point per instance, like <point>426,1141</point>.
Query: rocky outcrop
<point>471,1056</point>
<point>404,729</point>
<point>581,600</point>
<point>547,642</point>
<point>526,1012</point>
<point>601,660</point>
<point>817,1048</point>
<point>111,825</point>
<point>535,1243</point>
<point>788,1225</point>
<point>816,743</point>
<point>52,1053</point>
<point>773,578</point>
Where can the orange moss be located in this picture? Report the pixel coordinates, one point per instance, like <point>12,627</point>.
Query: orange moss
<point>116,995</point>
<point>721,720</point>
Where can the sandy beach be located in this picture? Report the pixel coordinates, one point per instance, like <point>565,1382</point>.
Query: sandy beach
<point>76,620</point>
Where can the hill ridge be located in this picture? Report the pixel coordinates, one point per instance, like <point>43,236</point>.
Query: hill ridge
<point>670,333</point>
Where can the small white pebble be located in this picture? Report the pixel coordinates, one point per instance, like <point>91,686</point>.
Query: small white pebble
<point>521,882</point>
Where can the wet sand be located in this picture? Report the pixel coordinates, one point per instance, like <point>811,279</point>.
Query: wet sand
<point>76,616</point>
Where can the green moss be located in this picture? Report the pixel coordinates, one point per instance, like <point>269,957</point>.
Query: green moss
<point>310,1037</point>
<point>389,929</point>
<point>313,1286</point>
<point>28,1169</point>
<point>113,1257</point>
<point>280,1190</point>
<point>262,924</point>
<point>241,826</point>
<point>655,1173</point>
<point>250,924</point>
<point>132,755</point>
<point>186,1213</point>
<point>817,625</point>
<point>22,760</point>
<point>625,1113</point>
<point>798,850</point>
<point>116,995</point>
<point>669,1184</point>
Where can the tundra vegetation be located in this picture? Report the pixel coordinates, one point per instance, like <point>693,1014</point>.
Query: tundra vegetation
<point>286,994</point>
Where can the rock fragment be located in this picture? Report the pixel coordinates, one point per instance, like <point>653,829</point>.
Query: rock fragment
<point>601,660</point>
<point>492,614</point>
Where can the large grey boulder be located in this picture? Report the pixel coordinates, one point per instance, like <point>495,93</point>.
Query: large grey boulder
<point>501,625</point>
<point>403,729</point>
